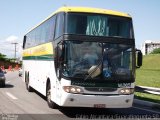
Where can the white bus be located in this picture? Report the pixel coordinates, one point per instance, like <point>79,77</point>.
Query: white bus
<point>82,57</point>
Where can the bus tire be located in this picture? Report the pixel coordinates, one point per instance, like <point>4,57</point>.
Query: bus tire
<point>50,103</point>
<point>28,87</point>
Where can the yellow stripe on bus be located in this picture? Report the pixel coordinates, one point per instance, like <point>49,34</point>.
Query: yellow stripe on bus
<point>39,50</point>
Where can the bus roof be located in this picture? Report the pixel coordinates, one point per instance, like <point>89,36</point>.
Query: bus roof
<point>85,10</point>
<point>91,10</point>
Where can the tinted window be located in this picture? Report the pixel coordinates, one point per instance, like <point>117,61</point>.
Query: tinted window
<point>41,34</point>
<point>99,25</point>
<point>59,25</point>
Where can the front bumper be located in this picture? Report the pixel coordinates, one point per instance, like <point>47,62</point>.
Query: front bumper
<point>114,101</point>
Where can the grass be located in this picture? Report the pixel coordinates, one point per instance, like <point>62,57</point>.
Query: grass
<point>149,75</point>
<point>147,97</point>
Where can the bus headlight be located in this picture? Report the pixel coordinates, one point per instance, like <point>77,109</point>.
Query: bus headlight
<point>72,89</point>
<point>126,91</point>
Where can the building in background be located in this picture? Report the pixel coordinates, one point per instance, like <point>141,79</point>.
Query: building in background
<point>148,46</point>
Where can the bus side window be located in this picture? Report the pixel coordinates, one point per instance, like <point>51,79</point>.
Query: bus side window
<point>51,28</point>
<point>59,25</point>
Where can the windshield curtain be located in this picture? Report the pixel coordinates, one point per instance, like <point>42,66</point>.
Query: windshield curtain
<point>94,60</point>
<point>99,25</point>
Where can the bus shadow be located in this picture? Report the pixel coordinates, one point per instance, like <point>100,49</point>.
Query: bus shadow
<point>87,113</point>
<point>7,86</point>
<point>39,94</point>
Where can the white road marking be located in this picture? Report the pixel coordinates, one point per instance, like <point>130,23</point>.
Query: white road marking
<point>11,96</point>
<point>147,110</point>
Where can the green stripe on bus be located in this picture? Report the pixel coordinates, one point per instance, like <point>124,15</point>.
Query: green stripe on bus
<point>42,57</point>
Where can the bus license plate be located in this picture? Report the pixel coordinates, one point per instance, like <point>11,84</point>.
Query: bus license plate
<point>99,105</point>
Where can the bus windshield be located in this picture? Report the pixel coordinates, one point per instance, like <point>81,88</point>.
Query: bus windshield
<point>95,60</point>
<point>98,25</point>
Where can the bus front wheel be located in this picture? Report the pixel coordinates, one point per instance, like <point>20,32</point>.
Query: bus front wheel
<point>51,104</point>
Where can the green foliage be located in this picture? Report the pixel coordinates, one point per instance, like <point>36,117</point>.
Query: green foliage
<point>2,57</point>
<point>156,51</point>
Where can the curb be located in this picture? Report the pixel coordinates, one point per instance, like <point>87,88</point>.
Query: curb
<point>147,104</point>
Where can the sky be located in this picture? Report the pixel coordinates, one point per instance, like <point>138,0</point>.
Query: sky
<point>19,16</point>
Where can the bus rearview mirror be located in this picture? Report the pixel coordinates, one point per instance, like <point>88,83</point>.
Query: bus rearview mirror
<point>24,42</point>
<point>139,59</point>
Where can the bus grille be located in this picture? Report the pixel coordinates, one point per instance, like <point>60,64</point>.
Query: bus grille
<point>100,89</point>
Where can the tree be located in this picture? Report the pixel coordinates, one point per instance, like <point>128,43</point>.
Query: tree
<point>156,51</point>
<point>2,57</point>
